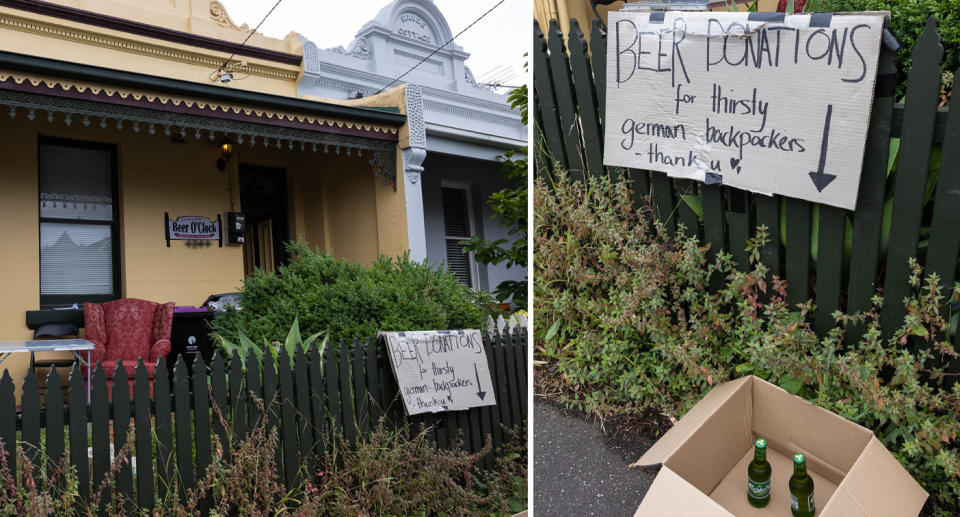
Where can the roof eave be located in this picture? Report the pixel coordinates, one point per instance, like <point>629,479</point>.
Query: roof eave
<point>77,71</point>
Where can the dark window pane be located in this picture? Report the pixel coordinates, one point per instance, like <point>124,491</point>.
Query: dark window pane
<point>455,219</point>
<point>458,262</point>
<point>456,226</point>
<point>75,183</point>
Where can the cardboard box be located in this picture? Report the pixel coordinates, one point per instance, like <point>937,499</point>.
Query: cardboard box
<point>705,459</point>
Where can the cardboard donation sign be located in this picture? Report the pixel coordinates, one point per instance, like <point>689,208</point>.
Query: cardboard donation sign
<point>705,457</point>
<point>440,370</point>
<point>766,102</point>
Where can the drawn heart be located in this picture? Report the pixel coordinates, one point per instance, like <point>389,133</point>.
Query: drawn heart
<point>735,164</point>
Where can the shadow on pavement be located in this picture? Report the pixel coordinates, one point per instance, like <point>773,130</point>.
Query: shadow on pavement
<point>578,471</point>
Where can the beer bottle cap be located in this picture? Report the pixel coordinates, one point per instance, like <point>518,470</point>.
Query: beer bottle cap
<point>761,443</point>
<point>799,459</point>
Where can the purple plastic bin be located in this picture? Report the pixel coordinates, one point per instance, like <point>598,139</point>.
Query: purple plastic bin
<point>188,308</point>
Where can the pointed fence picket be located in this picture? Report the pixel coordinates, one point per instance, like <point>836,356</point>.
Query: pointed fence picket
<point>911,180</point>
<point>78,430</point>
<point>347,388</point>
<point>841,265</point>
<point>164,430</point>
<point>121,427</point>
<point>143,437</point>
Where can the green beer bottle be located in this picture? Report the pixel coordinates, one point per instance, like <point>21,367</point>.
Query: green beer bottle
<point>758,476</point>
<point>801,489</point>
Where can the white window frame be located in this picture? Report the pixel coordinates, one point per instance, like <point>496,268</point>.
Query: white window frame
<point>471,227</point>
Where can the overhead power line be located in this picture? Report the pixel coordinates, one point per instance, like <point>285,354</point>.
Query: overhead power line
<point>412,68</point>
<point>254,31</point>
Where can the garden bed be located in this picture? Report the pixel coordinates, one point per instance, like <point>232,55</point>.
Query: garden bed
<point>633,320</point>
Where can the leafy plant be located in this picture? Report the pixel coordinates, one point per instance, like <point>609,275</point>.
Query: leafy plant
<point>293,341</point>
<point>627,322</point>
<point>510,209</point>
<point>394,473</point>
<point>907,21</point>
<point>22,494</point>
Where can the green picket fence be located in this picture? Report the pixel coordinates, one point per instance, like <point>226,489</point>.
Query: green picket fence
<point>347,390</point>
<point>837,258</point>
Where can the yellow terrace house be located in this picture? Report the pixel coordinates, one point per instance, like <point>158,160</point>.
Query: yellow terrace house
<point>149,153</point>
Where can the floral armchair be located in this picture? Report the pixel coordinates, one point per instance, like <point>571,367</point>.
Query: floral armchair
<point>126,330</point>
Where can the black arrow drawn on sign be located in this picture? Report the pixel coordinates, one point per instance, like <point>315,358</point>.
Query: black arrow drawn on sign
<point>820,178</point>
<point>480,394</point>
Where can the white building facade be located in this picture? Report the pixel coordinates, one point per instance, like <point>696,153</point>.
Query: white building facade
<point>458,129</point>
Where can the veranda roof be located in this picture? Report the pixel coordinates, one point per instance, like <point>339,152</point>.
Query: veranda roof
<point>108,97</point>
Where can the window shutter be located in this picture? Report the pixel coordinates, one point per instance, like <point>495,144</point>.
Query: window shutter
<point>456,225</point>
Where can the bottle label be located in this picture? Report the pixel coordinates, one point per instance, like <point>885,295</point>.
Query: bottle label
<point>758,489</point>
<point>795,504</point>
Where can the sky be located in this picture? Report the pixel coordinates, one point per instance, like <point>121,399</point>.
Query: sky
<point>501,38</point>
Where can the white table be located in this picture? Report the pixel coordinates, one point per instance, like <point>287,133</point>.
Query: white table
<point>77,346</point>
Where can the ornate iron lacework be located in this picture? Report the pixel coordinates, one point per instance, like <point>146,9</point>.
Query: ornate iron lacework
<point>46,85</point>
<point>383,165</point>
<point>185,125</point>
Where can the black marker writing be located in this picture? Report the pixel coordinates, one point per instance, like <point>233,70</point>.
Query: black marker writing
<point>752,105</point>
<point>737,45</point>
<point>632,128</point>
<point>630,45</point>
<point>740,139</point>
<point>691,159</point>
<point>682,99</point>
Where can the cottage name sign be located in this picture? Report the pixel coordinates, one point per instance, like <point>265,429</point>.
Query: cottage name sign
<point>440,370</point>
<point>192,228</point>
<point>413,26</point>
<point>766,102</point>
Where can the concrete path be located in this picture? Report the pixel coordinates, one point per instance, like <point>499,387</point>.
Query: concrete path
<point>579,472</point>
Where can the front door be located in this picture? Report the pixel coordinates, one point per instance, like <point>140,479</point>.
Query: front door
<point>263,196</point>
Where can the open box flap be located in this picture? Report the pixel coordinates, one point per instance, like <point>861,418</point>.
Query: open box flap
<point>876,485</point>
<point>670,494</point>
<point>693,420</point>
<point>831,443</point>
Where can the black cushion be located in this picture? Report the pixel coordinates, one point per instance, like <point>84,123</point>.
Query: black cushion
<point>56,330</point>
<point>46,363</point>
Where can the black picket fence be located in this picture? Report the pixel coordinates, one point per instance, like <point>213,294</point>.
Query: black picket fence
<point>347,390</point>
<point>837,258</point>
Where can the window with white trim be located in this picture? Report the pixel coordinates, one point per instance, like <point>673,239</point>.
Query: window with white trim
<point>457,226</point>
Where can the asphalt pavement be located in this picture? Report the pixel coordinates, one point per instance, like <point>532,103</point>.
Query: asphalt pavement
<point>580,472</point>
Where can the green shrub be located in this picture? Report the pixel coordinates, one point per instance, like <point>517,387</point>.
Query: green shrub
<point>349,300</point>
<point>907,21</point>
<point>626,322</point>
